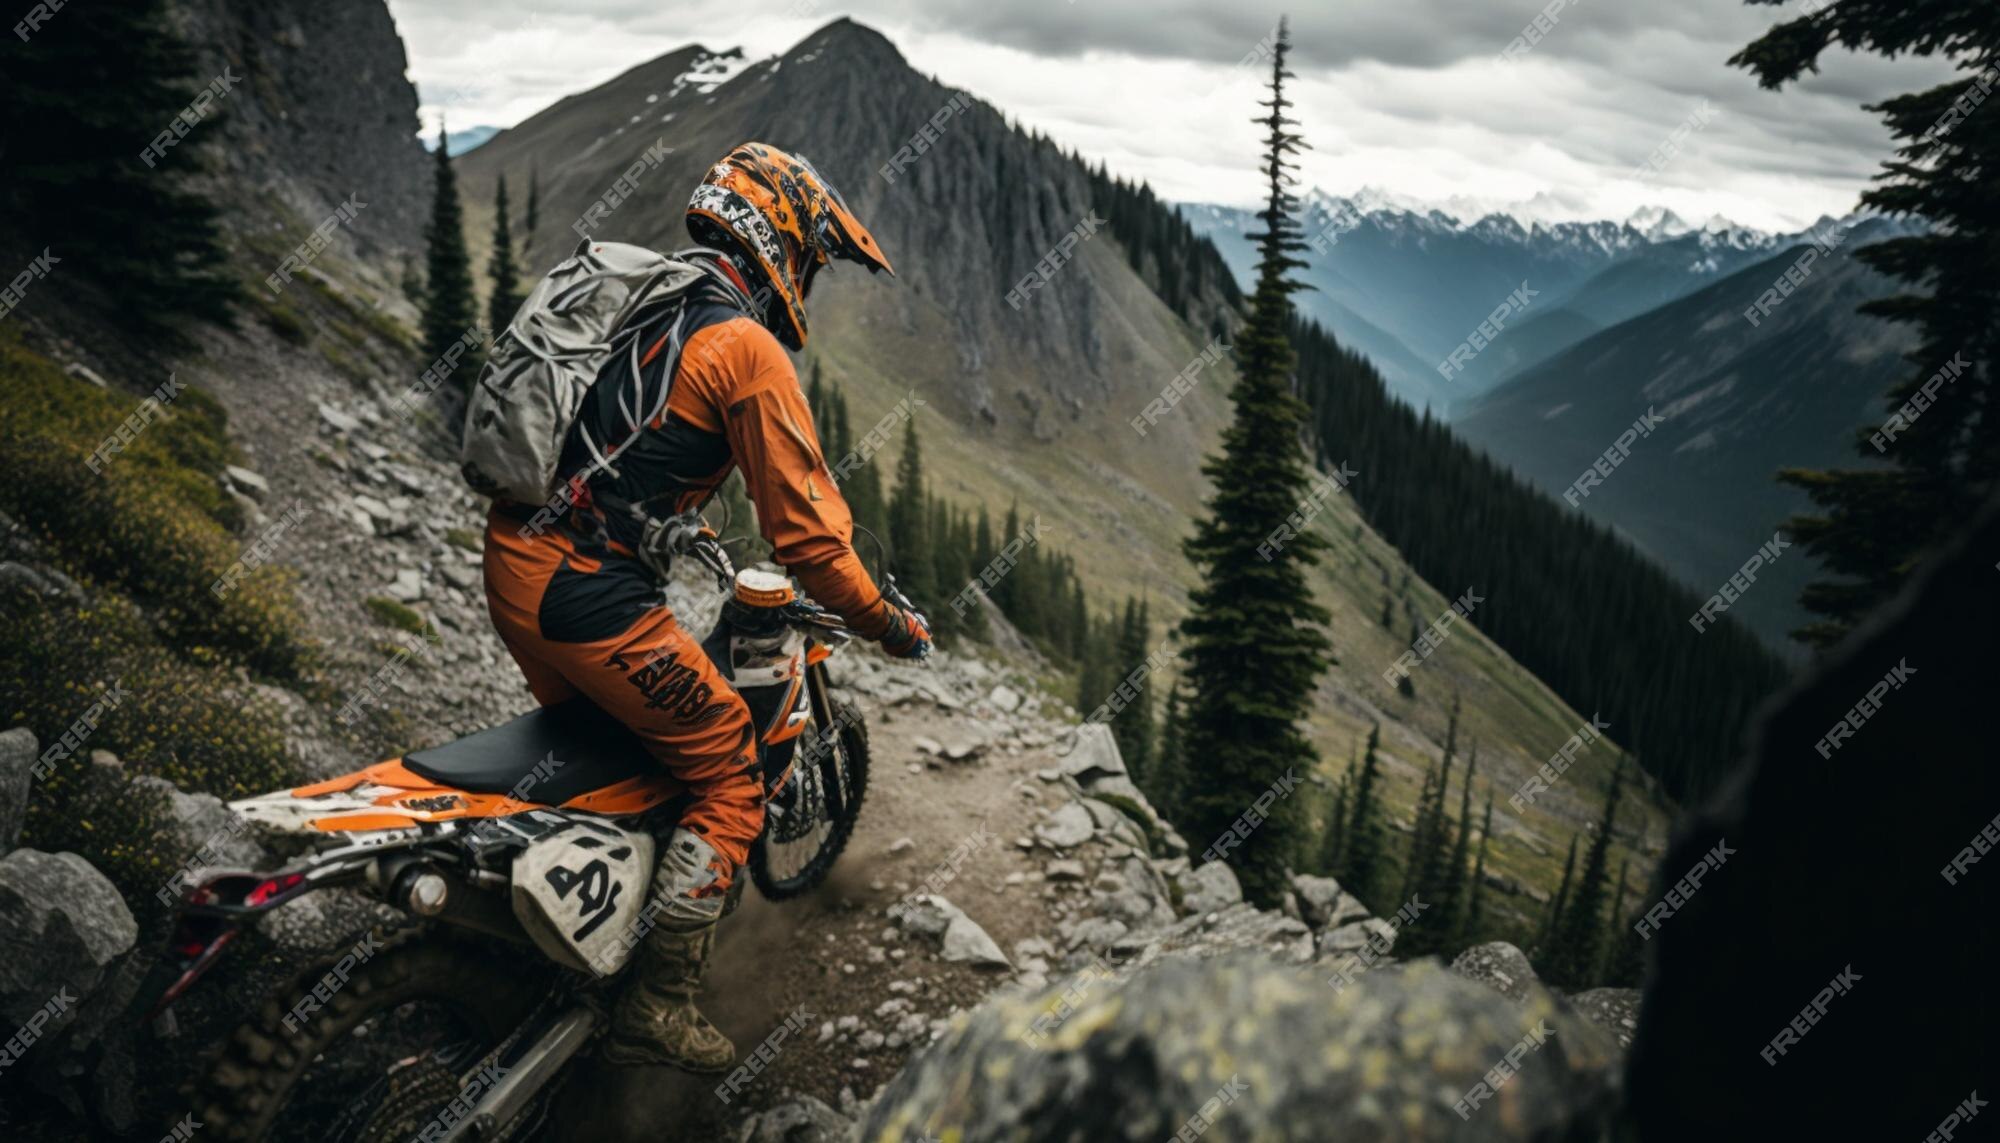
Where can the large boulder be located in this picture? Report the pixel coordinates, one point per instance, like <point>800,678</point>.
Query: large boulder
<point>18,749</point>
<point>1210,887</point>
<point>1499,966</point>
<point>1093,754</point>
<point>1238,928</point>
<point>800,1119</point>
<point>62,925</point>
<point>1259,1051</point>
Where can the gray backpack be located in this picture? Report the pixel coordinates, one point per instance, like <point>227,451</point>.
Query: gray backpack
<point>520,410</point>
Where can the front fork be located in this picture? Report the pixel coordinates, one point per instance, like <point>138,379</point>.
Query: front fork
<point>820,694</point>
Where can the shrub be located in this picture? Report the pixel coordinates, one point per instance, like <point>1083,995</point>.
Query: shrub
<point>394,614</point>
<point>153,522</point>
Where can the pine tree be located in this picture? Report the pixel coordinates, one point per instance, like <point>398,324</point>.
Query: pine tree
<point>1877,522</point>
<point>1553,921</point>
<point>1475,908</point>
<point>1169,771</point>
<point>534,219</point>
<point>1333,843</point>
<point>1451,888</point>
<point>1611,935</point>
<point>1255,646</point>
<point>909,537</point>
<point>78,100</point>
<point>502,269</point>
<point>449,303</point>
<point>1134,724</point>
<point>1364,864</point>
<point>1578,942</point>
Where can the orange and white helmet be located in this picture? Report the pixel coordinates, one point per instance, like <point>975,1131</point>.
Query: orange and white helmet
<point>785,222</point>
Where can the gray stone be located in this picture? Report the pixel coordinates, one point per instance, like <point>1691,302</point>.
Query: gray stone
<point>1210,887</point>
<point>1065,869</point>
<point>1317,896</point>
<point>925,914</point>
<point>200,827</point>
<point>1070,826</point>
<point>247,482</point>
<point>1371,933</point>
<point>1237,928</point>
<point>1005,698</point>
<point>1346,911</point>
<point>1380,1059</point>
<point>338,421</point>
<point>964,940</point>
<point>1616,1010</point>
<point>62,924</point>
<point>800,1119</point>
<point>407,587</point>
<point>18,750</point>
<point>1093,753</point>
<point>1499,966</point>
<point>1096,933</point>
<point>86,374</point>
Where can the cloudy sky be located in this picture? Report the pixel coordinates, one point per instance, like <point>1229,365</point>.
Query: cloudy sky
<point>1414,98</point>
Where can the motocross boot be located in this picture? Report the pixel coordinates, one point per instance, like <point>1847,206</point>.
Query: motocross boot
<point>656,1023</point>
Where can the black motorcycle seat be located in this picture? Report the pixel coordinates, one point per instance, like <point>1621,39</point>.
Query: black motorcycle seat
<point>585,750</point>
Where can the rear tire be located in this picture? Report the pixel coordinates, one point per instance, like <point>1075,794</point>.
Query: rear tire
<point>255,1076</point>
<point>779,880</point>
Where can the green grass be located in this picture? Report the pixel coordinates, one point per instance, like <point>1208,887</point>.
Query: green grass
<point>393,614</point>
<point>465,538</point>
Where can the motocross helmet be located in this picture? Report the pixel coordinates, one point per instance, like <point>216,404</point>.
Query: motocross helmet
<point>783,222</point>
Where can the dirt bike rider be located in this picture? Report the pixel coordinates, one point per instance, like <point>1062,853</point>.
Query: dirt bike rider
<point>579,605</point>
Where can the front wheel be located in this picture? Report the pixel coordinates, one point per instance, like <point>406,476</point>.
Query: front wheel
<point>377,1053</point>
<point>809,821</point>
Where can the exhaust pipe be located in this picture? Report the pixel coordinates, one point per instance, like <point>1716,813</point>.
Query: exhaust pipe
<point>529,1074</point>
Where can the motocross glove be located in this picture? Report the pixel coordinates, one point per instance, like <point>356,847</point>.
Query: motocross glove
<point>908,636</point>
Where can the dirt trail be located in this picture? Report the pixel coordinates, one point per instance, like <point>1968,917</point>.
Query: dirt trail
<point>826,953</point>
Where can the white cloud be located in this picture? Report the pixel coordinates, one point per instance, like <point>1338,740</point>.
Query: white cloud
<point>1406,95</point>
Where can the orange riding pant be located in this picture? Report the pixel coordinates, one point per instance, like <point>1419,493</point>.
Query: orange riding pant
<point>583,617</point>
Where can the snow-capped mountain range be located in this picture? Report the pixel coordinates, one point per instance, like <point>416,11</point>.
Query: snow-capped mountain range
<point>1405,282</point>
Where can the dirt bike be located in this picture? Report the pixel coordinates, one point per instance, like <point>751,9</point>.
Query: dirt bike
<point>523,856</point>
